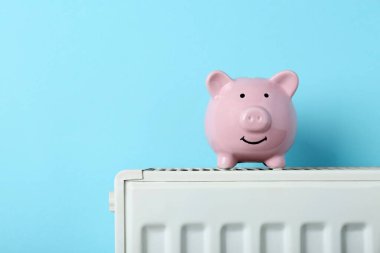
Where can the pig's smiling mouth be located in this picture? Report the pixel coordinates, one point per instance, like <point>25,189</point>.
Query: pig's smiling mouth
<point>253,142</point>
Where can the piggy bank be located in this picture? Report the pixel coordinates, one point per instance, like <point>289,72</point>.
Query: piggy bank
<point>251,119</point>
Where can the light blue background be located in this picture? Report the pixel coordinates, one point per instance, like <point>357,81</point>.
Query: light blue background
<point>88,88</point>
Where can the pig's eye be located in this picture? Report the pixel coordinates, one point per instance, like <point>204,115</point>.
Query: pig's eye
<point>266,95</point>
<point>242,95</point>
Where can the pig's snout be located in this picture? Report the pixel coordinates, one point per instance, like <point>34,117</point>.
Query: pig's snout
<point>255,119</point>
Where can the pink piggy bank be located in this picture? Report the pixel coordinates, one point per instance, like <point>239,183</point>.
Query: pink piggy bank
<point>251,119</point>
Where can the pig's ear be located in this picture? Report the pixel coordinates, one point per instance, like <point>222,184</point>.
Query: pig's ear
<point>287,80</point>
<point>215,81</point>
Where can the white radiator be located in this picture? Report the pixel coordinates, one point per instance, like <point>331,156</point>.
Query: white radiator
<point>298,210</point>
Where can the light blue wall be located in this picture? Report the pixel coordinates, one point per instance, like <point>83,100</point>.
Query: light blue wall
<point>88,88</point>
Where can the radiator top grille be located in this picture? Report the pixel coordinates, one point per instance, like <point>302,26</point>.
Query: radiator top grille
<point>258,169</point>
<point>252,174</point>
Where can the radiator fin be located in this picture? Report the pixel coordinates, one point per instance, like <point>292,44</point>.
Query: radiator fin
<point>272,238</point>
<point>232,238</point>
<point>312,238</point>
<point>353,237</point>
<point>192,237</point>
<point>153,239</point>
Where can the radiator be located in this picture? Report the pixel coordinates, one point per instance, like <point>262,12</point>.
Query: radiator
<point>297,210</point>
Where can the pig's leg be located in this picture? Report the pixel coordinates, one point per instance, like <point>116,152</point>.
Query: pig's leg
<point>276,162</point>
<point>226,161</point>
